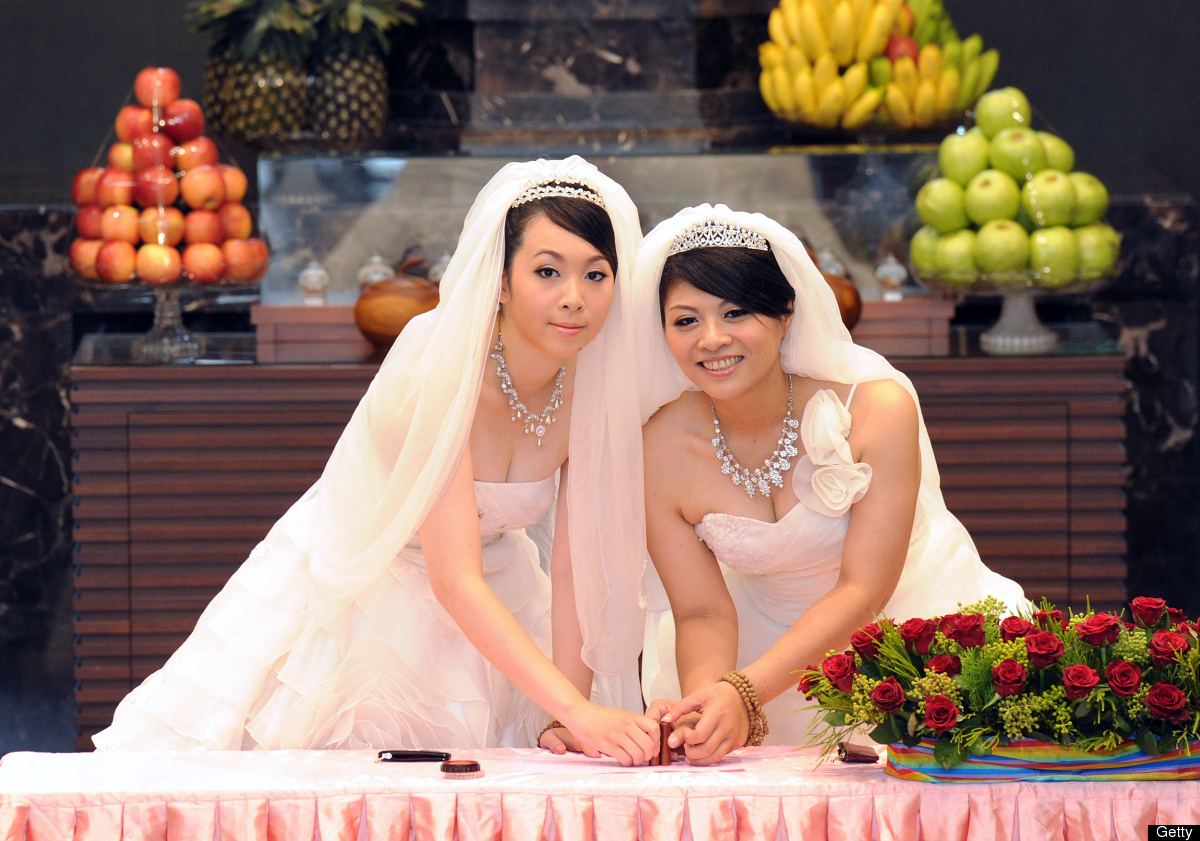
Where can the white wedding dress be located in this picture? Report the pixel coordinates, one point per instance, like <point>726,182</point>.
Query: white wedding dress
<point>389,669</point>
<point>777,571</point>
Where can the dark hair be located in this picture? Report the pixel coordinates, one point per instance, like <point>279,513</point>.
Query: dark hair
<point>580,217</point>
<point>746,277</point>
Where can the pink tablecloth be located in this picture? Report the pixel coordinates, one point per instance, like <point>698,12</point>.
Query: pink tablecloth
<point>774,793</point>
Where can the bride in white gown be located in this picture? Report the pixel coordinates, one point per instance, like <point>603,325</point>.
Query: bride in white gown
<point>399,603</point>
<point>801,463</point>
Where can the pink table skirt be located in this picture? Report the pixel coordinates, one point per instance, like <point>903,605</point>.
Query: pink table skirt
<point>769,793</point>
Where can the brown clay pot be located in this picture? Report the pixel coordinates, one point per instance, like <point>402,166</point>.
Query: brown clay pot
<point>848,298</point>
<point>385,307</point>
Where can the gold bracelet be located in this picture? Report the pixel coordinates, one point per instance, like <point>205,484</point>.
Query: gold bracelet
<point>754,710</point>
<point>553,725</point>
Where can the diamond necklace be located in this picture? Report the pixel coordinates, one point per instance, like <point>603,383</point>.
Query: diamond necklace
<point>762,478</point>
<point>534,422</point>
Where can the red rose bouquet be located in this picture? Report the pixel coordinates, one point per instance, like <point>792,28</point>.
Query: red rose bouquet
<point>977,679</point>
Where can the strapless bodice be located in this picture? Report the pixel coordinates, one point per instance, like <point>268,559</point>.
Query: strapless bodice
<point>508,506</point>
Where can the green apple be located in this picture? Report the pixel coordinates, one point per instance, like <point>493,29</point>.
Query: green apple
<point>1059,154</point>
<point>992,194</point>
<point>955,257</point>
<point>1049,198</point>
<point>1091,198</point>
<point>1053,256</point>
<point>1000,109</point>
<point>1002,249</point>
<point>923,251</point>
<point>962,156</point>
<point>1099,245</point>
<point>940,205</point>
<point>1019,152</point>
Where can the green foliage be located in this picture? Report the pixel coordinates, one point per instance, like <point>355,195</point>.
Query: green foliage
<point>358,26</point>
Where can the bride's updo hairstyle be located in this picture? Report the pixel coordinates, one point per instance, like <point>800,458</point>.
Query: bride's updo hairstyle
<point>745,277</point>
<point>580,217</point>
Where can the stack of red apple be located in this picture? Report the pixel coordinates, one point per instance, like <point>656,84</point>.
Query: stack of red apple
<point>164,189</point>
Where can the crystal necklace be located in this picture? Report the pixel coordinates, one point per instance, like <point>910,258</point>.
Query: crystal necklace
<point>762,478</point>
<point>534,422</point>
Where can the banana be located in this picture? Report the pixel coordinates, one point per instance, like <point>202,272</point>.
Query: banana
<point>904,73</point>
<point>898,106</point>
<point>833,101</point>
<point>925,103</point>
<point>929,63</point>
<point>971,48</point>
<point>989,62</point>
<point>946,31</point>
<point>862,109</point>
<point>855,81</point>
<point>795,59</point>
<point>926,32</point>
<point>777,29</point>
<point>841,33</point>
<point>881,71</point>
<point>947,92</point>
<point>952,54</point>
<point>966,90</point>
<point>825,70</point>
<point>875,35</point>
<point>920,11</point>
<point>790,10</point>
<point>784,95</point>
<point>806,94</point>
<point>766,87</point>
<point>770,54</point>
<point>862,11</point>
<point>825,8</point>
<point>816,41</point>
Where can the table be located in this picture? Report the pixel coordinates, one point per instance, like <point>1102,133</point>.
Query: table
<point>769,793</point>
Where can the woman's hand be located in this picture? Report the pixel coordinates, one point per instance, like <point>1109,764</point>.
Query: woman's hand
<point>560,740</point>
<point>630,739</point>
<point>723,724</point>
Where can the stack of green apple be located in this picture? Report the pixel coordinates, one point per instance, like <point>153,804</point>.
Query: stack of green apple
<point>1008,209</point>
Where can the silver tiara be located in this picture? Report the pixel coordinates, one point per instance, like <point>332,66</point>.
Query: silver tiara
<point>712,233</point>
<point>574,189</point>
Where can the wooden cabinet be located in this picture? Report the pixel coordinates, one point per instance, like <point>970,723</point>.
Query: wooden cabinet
<point>180,471</point>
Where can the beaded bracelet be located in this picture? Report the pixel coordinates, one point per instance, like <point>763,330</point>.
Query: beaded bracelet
<point>754,710</point>
<point>553,725</point>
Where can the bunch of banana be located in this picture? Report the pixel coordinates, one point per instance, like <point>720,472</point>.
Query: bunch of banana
<point>815,68</point>
<point>931,24</point>
<point>942,83</point>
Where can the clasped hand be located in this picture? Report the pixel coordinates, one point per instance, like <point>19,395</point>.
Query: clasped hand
<point>709,723</point>
<point>596,730</point>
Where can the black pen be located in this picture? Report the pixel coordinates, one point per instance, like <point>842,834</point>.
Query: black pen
<point>412,756</point>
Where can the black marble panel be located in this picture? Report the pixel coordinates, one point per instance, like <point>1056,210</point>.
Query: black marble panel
<point>579,10</point>
<point>33,259</point>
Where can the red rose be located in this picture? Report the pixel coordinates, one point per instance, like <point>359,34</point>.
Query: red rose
<point>1123,677</point>
<point>1043,649</point>
<point>940,713</point>
<point>968,631</point>
<point>866,641</point>
<point>1008,676</point>
<point>1147,611</point>
<point>1045,620</point>
<point>946,664</point>
<point>808,680</point>
<point>1175,616</point>
<point>1079,681</point>
<point>1169,702</point>
<point>1163,646</point>
<point>1101,629</point>
<point>840,670</point>
<point>1014,627</point>
<point>1191,628</point>
<point>918,635</point>
<point>946,623</point>
<point>888,696</point>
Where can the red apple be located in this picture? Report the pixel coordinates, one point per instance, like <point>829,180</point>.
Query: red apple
<point>199,151</point>
<point>203,226</point>
<point>262,258</point>
<point>87,221</point>
<point>134,121</point>
<point>155,186</point>
<point>120,156</point>
<point>203,262</point>
<point>163,225</point>
<point>203,188</point>
<point>235,182</point>
<point>156,87</point>
<point>151,150</point>
<point>901,45</point>
<point>120,222</point>
<point>83,188</point>
<point>235,220</point>
<point>242,260</point>
<point>114,187</point>
<point>83,257</point>
<point>158,264</point>
<point>183,120</point>
<point>116,262</point>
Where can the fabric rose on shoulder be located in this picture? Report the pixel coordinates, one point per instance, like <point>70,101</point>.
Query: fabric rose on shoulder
<point>824,428</point>
<point>826,479</point>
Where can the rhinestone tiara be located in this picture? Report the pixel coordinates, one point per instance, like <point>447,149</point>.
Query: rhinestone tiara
<point>713,233</point>
<point>574,189</point>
